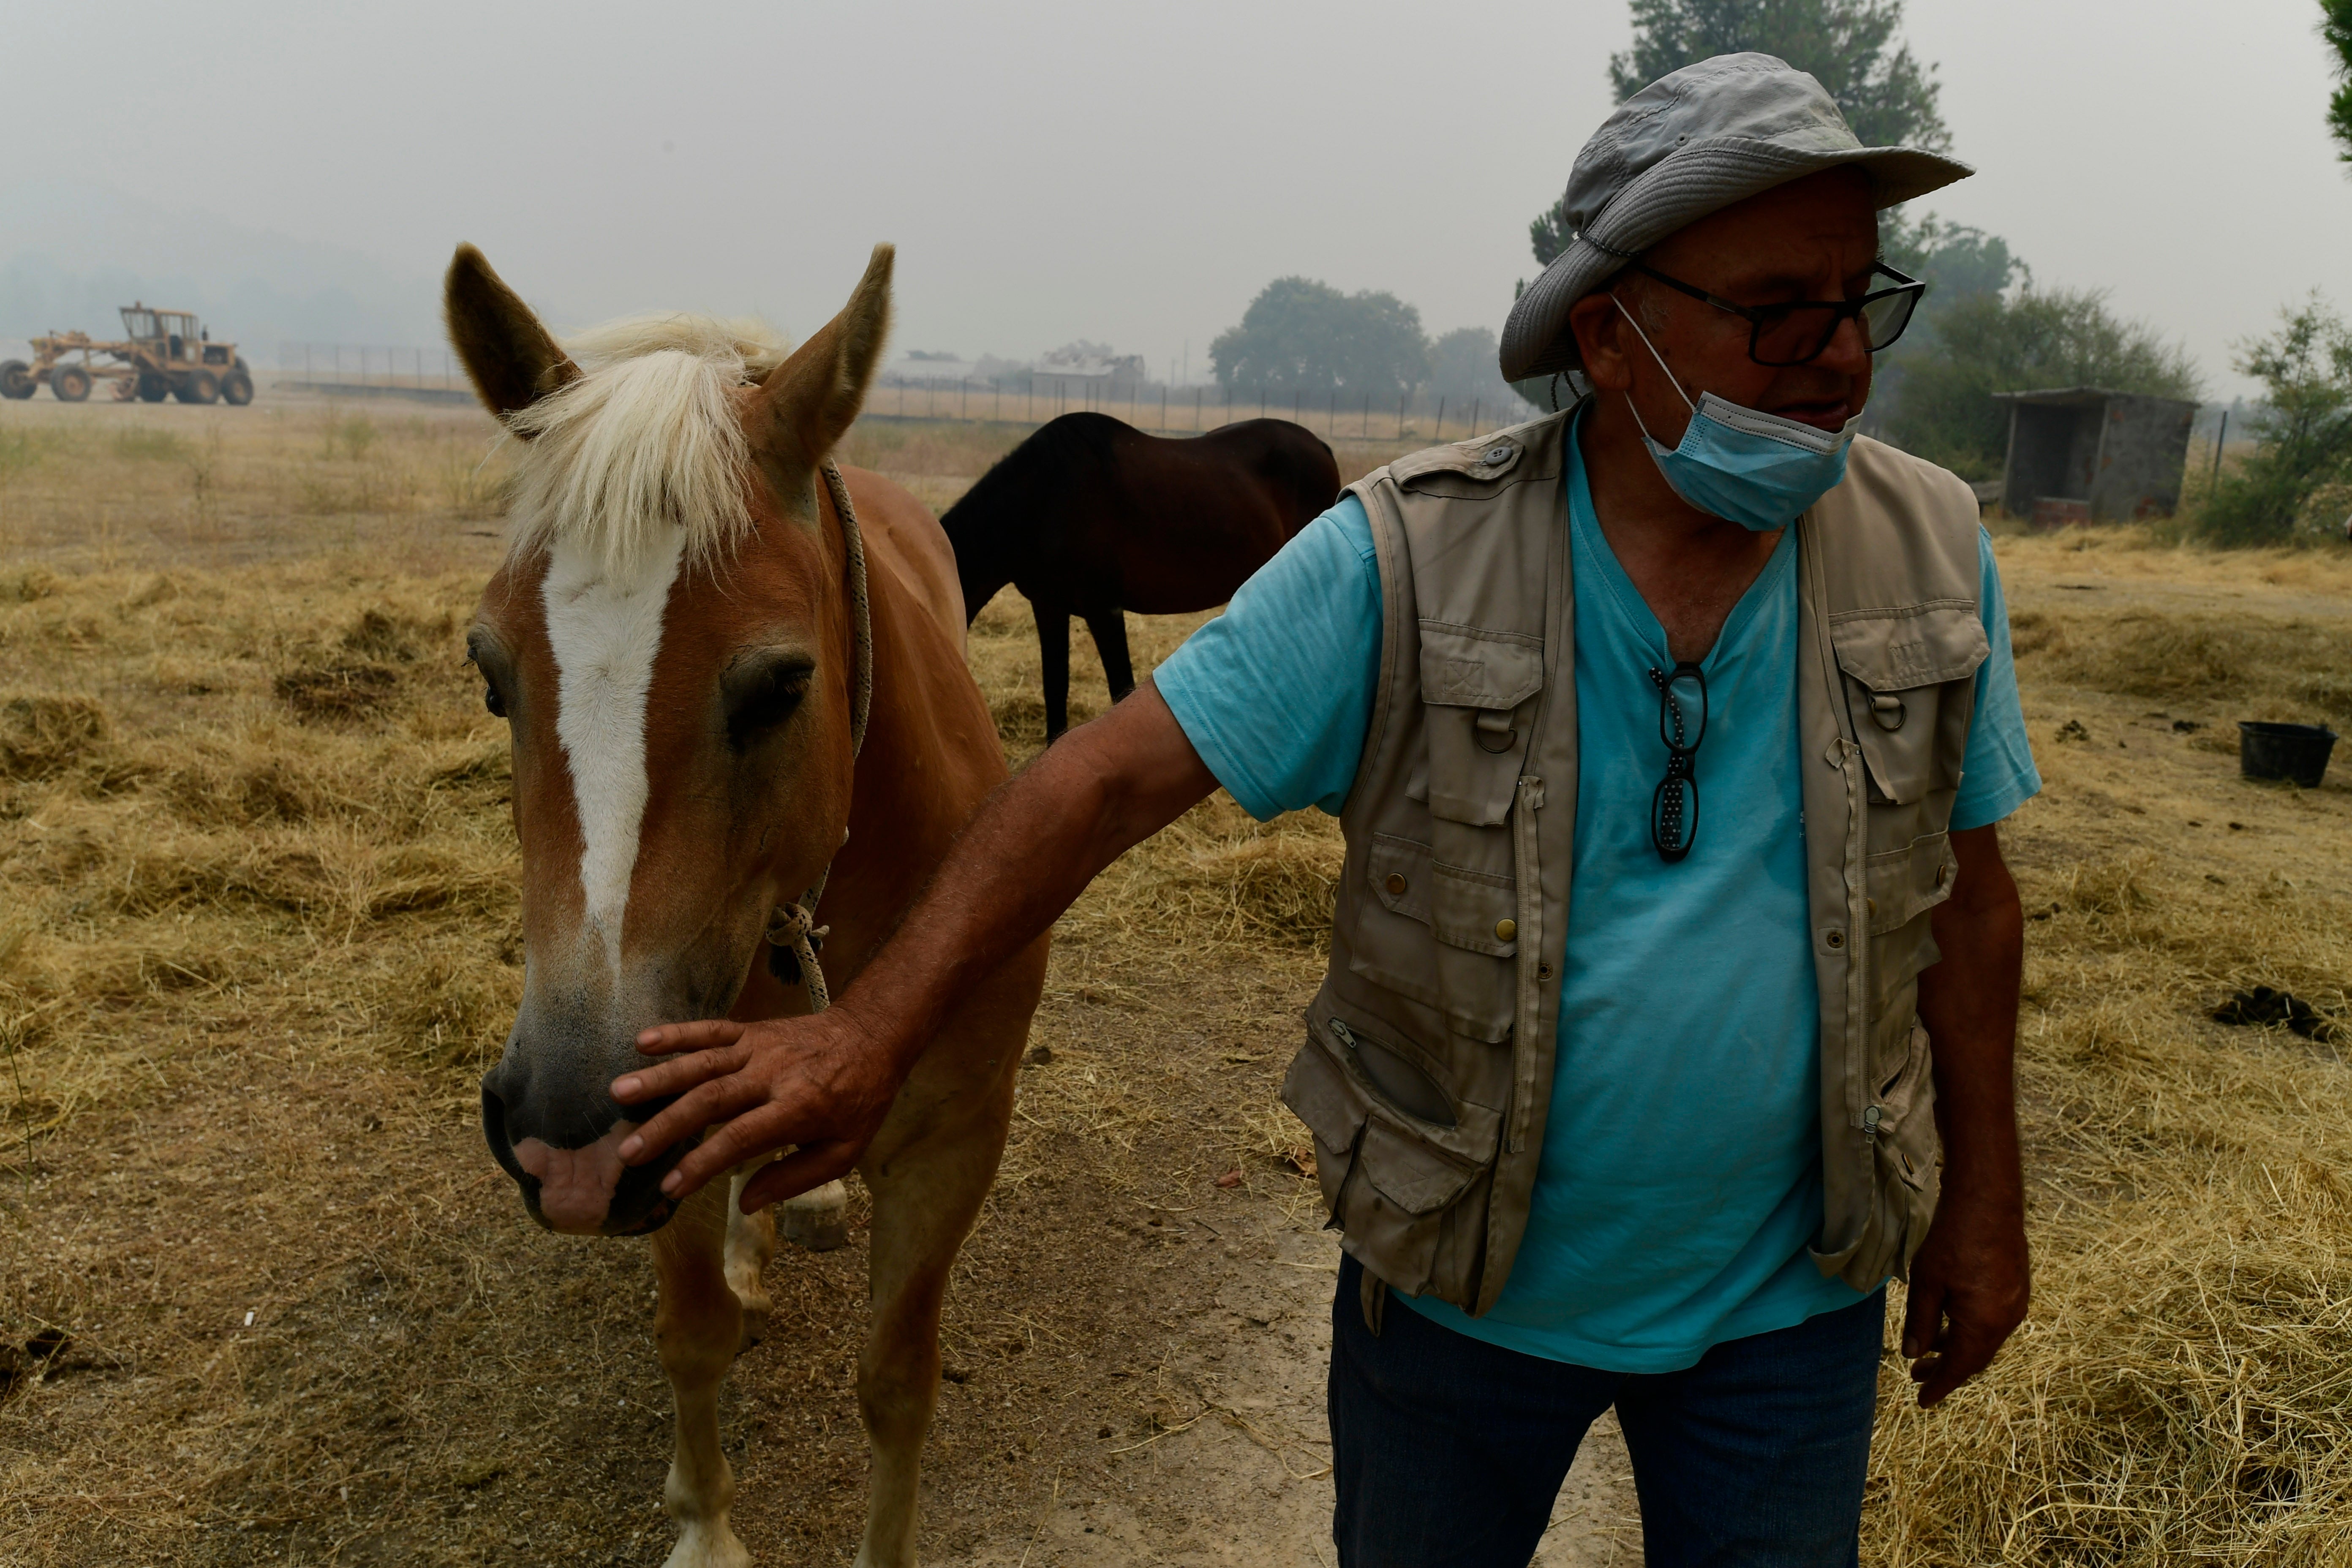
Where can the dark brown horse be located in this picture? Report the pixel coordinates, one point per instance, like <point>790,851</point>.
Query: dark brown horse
<point>1090,517</point>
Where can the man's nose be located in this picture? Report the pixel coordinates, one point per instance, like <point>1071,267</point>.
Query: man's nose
<point>1848,350</point>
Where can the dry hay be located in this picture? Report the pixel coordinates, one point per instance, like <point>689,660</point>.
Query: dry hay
<point>2268,669</point>
<point>2178,1391</point>
<point>249,802</point>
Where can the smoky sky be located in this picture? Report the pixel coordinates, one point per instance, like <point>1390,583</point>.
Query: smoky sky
<point>1131,174</point>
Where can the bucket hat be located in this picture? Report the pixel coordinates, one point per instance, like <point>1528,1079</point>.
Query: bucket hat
<point>1692,143</point>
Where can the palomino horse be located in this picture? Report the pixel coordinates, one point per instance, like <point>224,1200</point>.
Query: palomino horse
<point>678,644</point>
<point>1090,517</point>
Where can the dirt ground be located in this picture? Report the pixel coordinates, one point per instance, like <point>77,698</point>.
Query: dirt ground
<point>263,1298</point>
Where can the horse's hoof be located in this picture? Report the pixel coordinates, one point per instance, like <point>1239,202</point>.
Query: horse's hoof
<point>817,1221</point>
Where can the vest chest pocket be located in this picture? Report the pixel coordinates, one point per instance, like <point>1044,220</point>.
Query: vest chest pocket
<point>1908,686</point>
<point>1479,690</point>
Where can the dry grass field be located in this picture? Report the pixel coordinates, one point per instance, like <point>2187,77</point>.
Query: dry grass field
<point>263,1297</point>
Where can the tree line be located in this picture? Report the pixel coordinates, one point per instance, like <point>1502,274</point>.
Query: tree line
<point>1987,324</point>
<point>1301,338</point>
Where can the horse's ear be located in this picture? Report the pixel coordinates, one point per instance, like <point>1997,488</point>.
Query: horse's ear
<point>510,358</point>
<point>811,400</point>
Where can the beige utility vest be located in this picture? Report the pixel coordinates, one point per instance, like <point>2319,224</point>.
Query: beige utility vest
<point>1427,1071</point>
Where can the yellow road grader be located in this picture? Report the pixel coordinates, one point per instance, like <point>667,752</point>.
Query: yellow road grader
<point>164,353</point>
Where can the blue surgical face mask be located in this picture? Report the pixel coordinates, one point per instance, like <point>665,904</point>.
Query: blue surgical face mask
<point>1756,469</point>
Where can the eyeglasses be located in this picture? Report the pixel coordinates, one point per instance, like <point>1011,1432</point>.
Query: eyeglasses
<point>1797,332</point>
<point>1674,807</point>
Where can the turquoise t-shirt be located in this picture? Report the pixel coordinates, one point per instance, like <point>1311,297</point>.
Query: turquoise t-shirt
<point>1680,1180</point>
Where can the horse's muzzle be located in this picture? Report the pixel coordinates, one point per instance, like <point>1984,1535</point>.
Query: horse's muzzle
<point>633,1203</point>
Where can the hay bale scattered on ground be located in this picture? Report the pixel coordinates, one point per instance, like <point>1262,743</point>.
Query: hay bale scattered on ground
<point>196,868</point>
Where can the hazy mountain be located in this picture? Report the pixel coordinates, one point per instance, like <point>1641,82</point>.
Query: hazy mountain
<point>71,254</point>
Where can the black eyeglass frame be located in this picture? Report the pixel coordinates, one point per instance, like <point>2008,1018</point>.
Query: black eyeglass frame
<point>1761,317</point>
<point>1681,760</point>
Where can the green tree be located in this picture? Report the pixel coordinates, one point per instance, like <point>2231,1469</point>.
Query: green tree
<point>1302,336</point>
<point>2305,431</point>
<point>1465,367</point>
<point>1954,260</point>
<point>1850,47</point>
<point>2335,27</point>
<point>1943,409</point>
<point>1958,263</point>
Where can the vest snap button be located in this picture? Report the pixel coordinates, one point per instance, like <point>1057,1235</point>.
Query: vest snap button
<point>1504,930</point>
<point>1869,1117</point>
<point>1871,905</point>
<point>1395,884</point>
<point>1833,940</point>
<point>1543,972</point>
<point>1498,454</point>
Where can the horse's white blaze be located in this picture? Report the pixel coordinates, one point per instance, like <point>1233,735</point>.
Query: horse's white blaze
<point>605,628</point>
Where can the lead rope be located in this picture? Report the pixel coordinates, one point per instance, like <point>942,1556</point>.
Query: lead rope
<point>793,927</point>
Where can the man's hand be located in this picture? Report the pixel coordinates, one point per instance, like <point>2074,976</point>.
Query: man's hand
<point>1968,1291</point>
<point>825,1082</point>
<point>1970,1281</point>
<point>818,1081</point>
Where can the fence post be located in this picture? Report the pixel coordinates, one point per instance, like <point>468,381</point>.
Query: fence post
<point>1437,432</point>
<point>1400,403</point>
<point>1163,408</point>
<point>1476,404</point>
<point>2219,437</point>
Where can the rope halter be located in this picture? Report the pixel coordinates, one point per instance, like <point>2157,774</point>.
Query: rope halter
<point>792,930</point>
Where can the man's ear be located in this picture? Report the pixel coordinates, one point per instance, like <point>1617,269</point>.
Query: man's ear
<point>809,402</point>
<point>509,357</point>
<point>1600,341</point>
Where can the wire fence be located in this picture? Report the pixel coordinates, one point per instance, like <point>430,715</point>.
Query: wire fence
<point>1029,401</point>
<point>370,364</point>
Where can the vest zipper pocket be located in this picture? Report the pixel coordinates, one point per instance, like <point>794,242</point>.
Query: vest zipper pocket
<point>1403,1083</point>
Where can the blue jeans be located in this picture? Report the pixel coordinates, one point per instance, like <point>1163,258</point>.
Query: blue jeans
<point>1449,1451</point>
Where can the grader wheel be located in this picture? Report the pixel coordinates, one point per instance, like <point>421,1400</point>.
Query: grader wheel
<point>199,386</point>
<point>236,388</point>
<point>153,387</point>
<point>15,380</point>
<point>70,383</point>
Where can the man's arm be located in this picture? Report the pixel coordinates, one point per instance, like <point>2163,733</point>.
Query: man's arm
<point>825,1082</point>
<point>1970,1281</point>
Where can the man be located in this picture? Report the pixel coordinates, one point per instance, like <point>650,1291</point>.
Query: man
<point>1669,736</point>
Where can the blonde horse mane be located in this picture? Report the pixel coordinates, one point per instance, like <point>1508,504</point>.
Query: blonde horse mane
<point>643,442</point>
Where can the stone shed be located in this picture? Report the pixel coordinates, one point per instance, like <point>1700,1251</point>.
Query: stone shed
<point>2083,453</point>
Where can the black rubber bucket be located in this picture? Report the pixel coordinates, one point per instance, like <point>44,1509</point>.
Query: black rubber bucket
<point>2295,752</point>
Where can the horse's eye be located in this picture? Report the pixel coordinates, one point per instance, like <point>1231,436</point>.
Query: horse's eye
<point>766,699</point>
<point>492,700</point>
